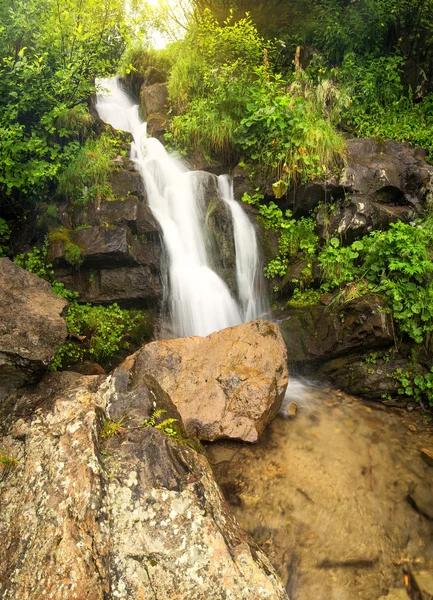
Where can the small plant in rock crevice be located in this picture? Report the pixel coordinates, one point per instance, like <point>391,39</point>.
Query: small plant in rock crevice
<point>112,428</point>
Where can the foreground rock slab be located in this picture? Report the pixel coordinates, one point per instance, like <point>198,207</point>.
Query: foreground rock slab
<point>227,385</point>
<point>31,326</point>
<point>132,516</point>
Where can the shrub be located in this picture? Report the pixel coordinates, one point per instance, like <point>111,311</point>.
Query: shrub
<point>87,175</point>
<point>100,333</point>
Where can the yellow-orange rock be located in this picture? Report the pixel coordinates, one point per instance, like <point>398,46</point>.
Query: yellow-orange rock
<point>227,385</point>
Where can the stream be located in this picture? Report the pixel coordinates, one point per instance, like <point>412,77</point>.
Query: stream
<point>326,494</point>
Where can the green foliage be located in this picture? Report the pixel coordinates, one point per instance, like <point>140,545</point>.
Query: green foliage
<point>293,235</point>
<point>50,55</point>
<point>415,385</point>
<point>286,130</point>
<point>166,425</point>
<point>213,67</point>
<point>87,175</point>
<point>338,263</point>
<point>7,464</point>
<point>396,264</point>
<point>71,251</point>
<point>112,428</point>
<point>4,237</point>
<point>301,299</point>
<point>36,262</point>
<point>99,333</point>
<point>380,107</point>
<point>171,429</point>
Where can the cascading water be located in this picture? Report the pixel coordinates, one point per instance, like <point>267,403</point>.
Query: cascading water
<point>200,301</point>
<point>251,291</point>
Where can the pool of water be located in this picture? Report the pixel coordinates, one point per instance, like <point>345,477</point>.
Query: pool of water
<point>328,494</point>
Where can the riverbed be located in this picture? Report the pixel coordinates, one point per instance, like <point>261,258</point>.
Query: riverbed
<point>338,492</point>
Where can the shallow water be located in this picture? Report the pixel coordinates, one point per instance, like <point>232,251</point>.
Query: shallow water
<point>325,494</point>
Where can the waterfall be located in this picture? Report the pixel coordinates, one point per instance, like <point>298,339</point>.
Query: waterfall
<point>200,302</point>
<point>252,294</point>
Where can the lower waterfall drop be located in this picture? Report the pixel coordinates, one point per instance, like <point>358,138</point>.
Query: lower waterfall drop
<point>200,302</point>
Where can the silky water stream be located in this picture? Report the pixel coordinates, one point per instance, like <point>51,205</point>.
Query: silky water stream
<point>336,492</point>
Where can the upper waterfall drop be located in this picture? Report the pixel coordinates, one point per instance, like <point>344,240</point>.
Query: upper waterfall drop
<point>200,302</point>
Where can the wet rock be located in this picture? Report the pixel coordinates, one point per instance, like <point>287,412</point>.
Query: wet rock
<point>227,385</point>
<point>427,456</point>
<point>396,594</point>
<point>101,247</point>
<point>126,183</point>
<point>130,212</point>
<point>423,582</point>
<point>387,171</point>
<point>305,198</point>
<point>318,333</point>
<point>422,500</point>
<point>359,216</point>
<point>359,376</point>
<point>142,519</point>
<point>31,326</point>
<point>154,98</point>
<point>242,183</point>
<point>134,286</point>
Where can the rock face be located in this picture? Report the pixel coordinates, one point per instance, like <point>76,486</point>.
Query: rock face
<point>31,326</point>
<point>387,172</point>
<point>134,516</point>
<point>119,242</point>
<point>318,333</point>
<point>227,385</point>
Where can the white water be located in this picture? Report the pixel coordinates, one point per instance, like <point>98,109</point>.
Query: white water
<point>200,301</point>
<point>248,269</point>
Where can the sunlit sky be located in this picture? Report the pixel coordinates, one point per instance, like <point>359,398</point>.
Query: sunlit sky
<point>158,39</point>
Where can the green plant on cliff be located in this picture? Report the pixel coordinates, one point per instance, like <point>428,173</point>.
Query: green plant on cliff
<point>50,55</point>
<point>99,333</point>
<point>71,251</point>
<point>293,235</point>
<point>166,425</point>
<point>286,130</point>
<point>36,262</point>
<point>214,66</point>
<point>397,264</point>
<point>87,175</point>
<point>112,428</point>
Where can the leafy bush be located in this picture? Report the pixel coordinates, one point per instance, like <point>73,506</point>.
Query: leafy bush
<point>213,68</point>
<point>293,235</point>
<point>49,59</point>
<point>396,264</point>
<point>87,175</point>
<point>36,262</point>
<point>99,333</point>
<point>286,131</point>
<point>380,107</point>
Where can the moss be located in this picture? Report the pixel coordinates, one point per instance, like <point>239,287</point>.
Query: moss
<point>72,252</point>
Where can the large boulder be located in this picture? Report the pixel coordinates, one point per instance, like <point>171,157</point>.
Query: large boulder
<point>154,98</point>
<point>130,516</point>
<point>315,334</point>
<point>358,216</point>
<point>31,326</point>
<point>229,384</point>
<point>387,172</point>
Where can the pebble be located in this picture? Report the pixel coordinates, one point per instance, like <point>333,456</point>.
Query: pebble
<point>427,456</point>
